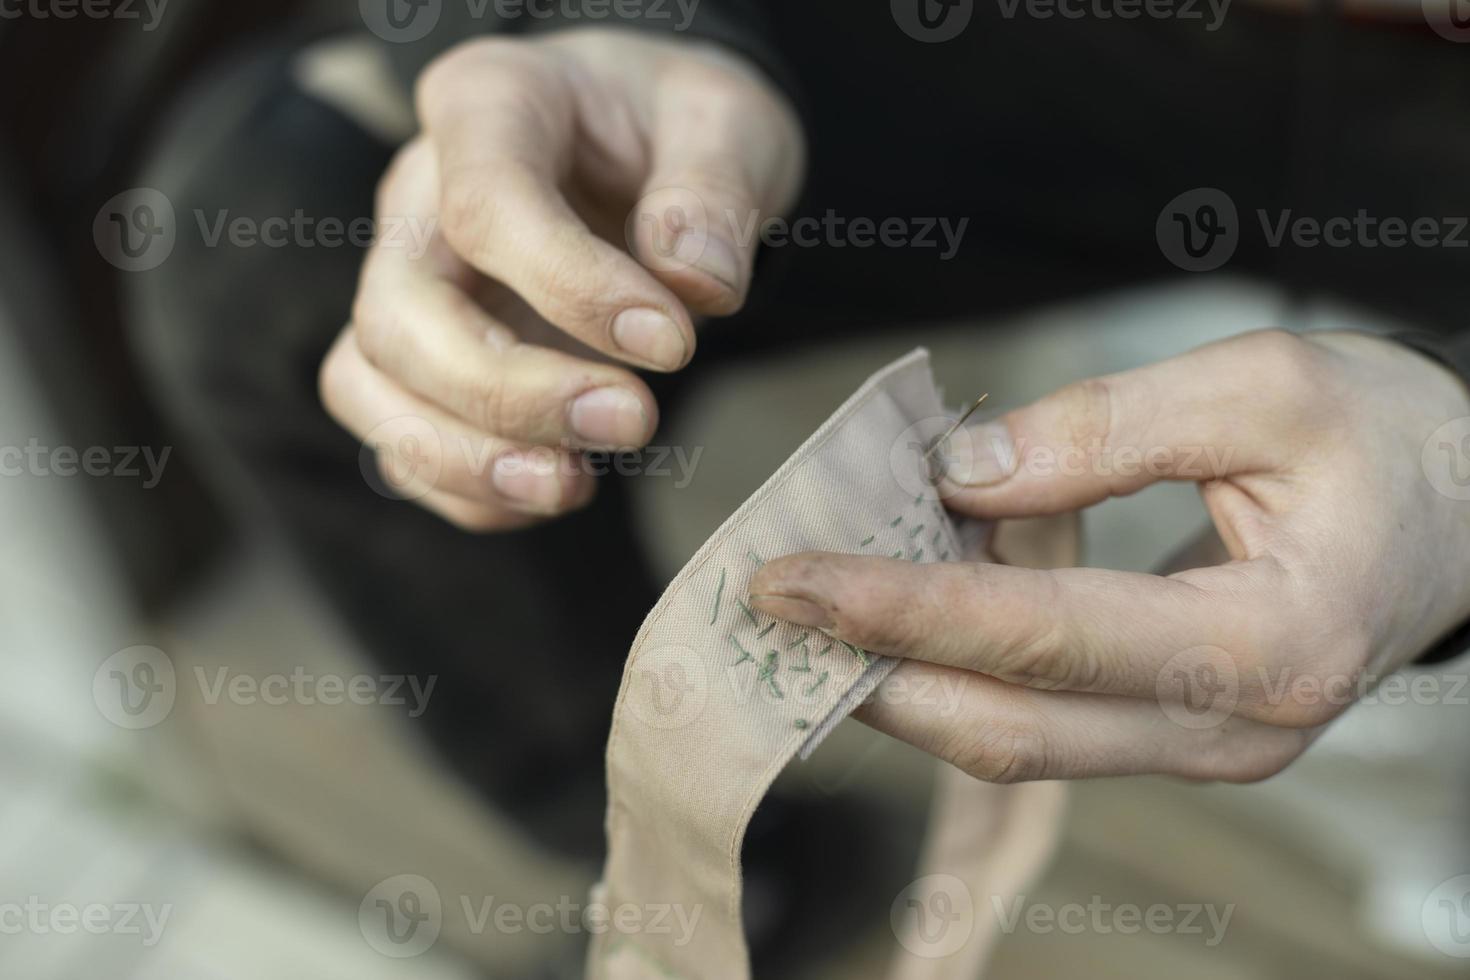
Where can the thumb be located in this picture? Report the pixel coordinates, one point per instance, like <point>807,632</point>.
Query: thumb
<point>1180,419</point>
<point>726,156</point>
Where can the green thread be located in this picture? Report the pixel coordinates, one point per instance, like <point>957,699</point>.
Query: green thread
<point>826,649</point>
<point>897,554</point>
<point>918,500</point>
<point>917,555</point>
<point>746,609</point>
<point>796,642</point>
<point>744,653</point>
<point>935,540</point>
<point>755,557</point>
<point>766,629</point>
<point>814,685</point>
<point>862,655</point>
<point>917,531</point>
<point>867,541</point>
<point>944,556</point>
<point>802,723</point>
<point>805,666</point>
<point>768,674</point>
<point>719,594</point>
<point>896,521</point>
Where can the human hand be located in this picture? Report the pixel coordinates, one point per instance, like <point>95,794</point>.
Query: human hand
<point>502,347</point>
<point>1345,563</point>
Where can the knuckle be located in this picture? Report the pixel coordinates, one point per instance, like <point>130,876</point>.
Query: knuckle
<point>1034,650</point>
<point>471,213</point>
<point>1289,367</point>
<point>569,296</point>
<point>1088,414</point>
<point>474,62</point>
<point>335,376</point>
<point>411,155</point>
<point>378,329</point>
<point>1000,753</point>
<point>493,408</point>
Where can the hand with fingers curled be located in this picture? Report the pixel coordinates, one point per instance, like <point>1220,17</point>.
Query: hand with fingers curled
<point>506,348</point>
<point>1345,554</point>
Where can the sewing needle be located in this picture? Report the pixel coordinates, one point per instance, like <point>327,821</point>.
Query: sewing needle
<point>953,428</point>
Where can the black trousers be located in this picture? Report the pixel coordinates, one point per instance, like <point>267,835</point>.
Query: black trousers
<point>1061,141</point>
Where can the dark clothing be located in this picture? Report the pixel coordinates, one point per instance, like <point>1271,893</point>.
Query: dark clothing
<point>1060,140</point>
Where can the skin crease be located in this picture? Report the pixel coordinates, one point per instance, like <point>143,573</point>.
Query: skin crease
<point>1342,561</point>
<point>1344,564</point>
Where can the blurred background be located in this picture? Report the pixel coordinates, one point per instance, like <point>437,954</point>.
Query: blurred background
<point>242,840</point>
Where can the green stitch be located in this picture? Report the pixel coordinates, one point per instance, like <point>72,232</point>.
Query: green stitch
<point>917,555</point>
<point>826,649</point>
<point>768,627</point>
<point>812,687</point>
<point>918,500</point>
<point>802,723</point>
<point>896,521</point>
<point>755,557</point>
<point>768,674</point>
<point>861,654</point>
<point>867,541</point>
<point>935,540</point>
<point>796,642</point>
<point>917,531</point>
<point>744,653</point>
<point>719,592</point>
<point>897,554</point>
<point>747,610</point>
<point>944,556</point>
<point>806,662</point>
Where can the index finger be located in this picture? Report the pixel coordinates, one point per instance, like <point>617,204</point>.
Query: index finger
<point>1074,629</point>
<point>506,136</point>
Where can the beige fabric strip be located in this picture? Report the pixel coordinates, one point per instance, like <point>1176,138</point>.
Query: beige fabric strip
<point>716,699</point>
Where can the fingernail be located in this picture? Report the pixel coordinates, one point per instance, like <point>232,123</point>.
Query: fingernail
<point>979,456</point>
<point>650,336</point>
<point>720,261</point>
<point>529,480</point>
<point>802,612</point>
<point>609,417</point>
